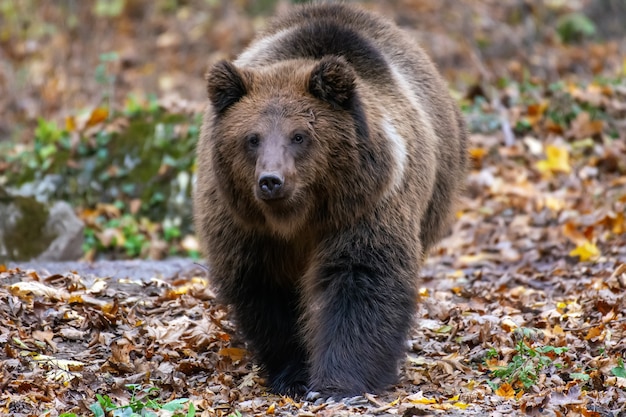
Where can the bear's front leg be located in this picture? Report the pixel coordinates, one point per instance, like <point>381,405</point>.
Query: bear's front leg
<point>264,303</point>
<point>267,316</point>
<point>363,301</point>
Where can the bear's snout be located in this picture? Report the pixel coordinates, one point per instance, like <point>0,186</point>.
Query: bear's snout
<point>271,186</point>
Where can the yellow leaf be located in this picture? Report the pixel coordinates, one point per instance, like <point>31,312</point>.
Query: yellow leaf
<point>505,390</point>
<point>424,401</point>
<point>75,299</point>
<point>199,281</point>
<point>271,409</point>
<point>98,115</point>
<point>557,160</point>
<point>477,153</point>
<point>460,405</point>
<point>70,124</point>
<point>586,251</point>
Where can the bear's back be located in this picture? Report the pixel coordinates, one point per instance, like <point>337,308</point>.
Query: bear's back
<point>315,32</point>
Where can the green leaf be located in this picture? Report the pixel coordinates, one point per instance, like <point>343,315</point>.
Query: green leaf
<point>579,375</point>
<point>556,350</point>
<point>619,371</point>
<point>106,402</point>
<point>191,412</point>
<point>96,409</point>
<point>47,132</point>
<point>125,412</point>
<point>174,404</point>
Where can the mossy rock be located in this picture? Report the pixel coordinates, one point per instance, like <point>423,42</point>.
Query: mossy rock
<point>30,229</point>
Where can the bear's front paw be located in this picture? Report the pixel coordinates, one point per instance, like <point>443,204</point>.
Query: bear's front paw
<point>294,389</point>
<point>288,382</point>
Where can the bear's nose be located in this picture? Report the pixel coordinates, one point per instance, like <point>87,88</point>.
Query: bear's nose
<point>270,186</point>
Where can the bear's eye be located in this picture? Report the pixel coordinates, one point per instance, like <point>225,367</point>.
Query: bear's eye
<point>253,140</point>
<point>298,138</point>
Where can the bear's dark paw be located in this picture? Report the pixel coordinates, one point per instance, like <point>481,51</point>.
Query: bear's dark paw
<point>337,391</point>
<point>289,382</point>
<point>294,389</point>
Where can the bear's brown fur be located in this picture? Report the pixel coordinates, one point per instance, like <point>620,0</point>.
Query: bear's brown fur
<point>328,162</point>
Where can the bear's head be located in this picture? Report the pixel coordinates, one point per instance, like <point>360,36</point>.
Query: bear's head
<point>285,139</point>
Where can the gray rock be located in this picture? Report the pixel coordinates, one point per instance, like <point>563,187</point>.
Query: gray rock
<point>68,229</point>
<point>30,229</point>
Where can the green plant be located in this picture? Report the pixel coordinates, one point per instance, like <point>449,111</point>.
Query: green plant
<point>530,361</point>
<point>619,370</point>
<point>142,404</point>
<point>575,27</point>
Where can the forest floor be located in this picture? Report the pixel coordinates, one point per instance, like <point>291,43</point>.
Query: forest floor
<point>521,307</point>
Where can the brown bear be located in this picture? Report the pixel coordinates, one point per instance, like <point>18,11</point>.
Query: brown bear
<point>328,162</point>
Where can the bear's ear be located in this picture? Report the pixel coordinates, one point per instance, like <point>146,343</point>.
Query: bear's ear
<point>333,80</point>
<point>226,85</point>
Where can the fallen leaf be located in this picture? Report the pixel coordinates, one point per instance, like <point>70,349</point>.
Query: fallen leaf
<point>505,390</point>
<point>98,115</point>
<point>29,289</point>
<point>557,160</point>
<point>235,354</point>
<point>587,251</point>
